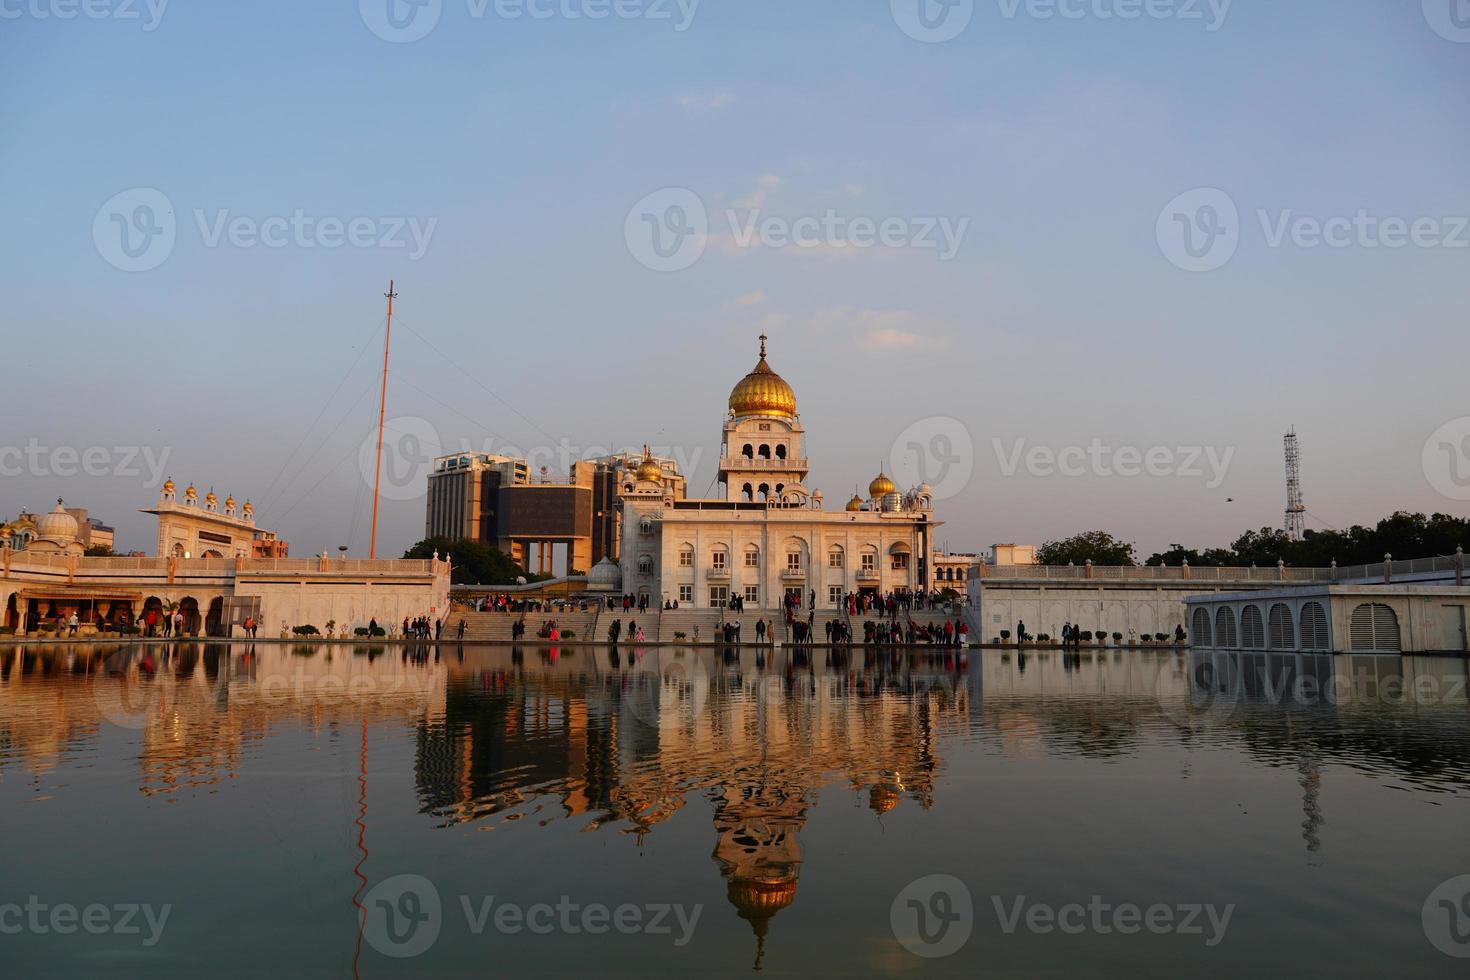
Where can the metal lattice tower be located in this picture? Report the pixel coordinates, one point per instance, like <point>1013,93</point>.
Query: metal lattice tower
<point>1296,511</point>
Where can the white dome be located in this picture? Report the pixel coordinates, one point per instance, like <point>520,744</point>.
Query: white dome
<point>605,575</point>
<point>58,526</point>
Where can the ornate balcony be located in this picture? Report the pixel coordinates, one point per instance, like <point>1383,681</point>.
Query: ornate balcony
<point>793,574</point>
<point>761,463</point>
<point>867,574</point>
<point>718,574</point>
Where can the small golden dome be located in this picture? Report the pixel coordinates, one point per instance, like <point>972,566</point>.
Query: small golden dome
<point>881,486</point>
<point>249,508</point>
<point>650,472</point>
<point>168,485</point>
<point>856,503</point>
<point>230,501</point>
<point>190,493</point>
<point>210,498</point>
<point>763,392</point>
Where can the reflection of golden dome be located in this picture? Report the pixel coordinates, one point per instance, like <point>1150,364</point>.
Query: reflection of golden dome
<point>761,898</point>
<point>881,486</point>
<point>763,392</point>
<point>856,503</point>
<point>882,798</point>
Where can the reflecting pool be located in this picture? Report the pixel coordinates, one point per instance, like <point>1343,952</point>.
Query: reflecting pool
<point>329,810</point>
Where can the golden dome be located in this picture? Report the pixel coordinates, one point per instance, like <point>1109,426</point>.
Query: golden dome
<point>881,485</point>
<point>648,470</point>
<point>763,392</point>
<point>210,498</point>
<point>249,509</point>
<point>168,485</point>
<point>230,501</point>
<point>856,503</point>
<point>190,493</point>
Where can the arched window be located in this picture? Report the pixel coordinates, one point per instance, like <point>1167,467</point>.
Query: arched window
<point>765,491</point>
<point>1201,628</point>
<point>1225,628</point>
<point>719,558</point>
<point>1283,634</point>
<point>1252,629</point>
<point>1314,627</point>
<point>748,451</point>
<point>835,556</point>
<point>780,452</point>
<point>747,493</point>
<point>686,556</point>
<point>1375,627</point>
<point>765,451</point>
<point>645,564</point>
<point>752,556</point>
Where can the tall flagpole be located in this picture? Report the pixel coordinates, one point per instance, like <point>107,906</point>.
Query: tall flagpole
<point>382,413</point>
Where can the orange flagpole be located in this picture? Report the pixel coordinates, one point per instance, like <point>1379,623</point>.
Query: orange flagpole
<point>382,413</point>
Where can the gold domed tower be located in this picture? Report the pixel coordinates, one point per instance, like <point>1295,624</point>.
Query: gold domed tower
<point>763,457</point>
<point>763,392</point>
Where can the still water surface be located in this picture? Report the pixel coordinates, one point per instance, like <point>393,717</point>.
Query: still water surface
<point>592,811</point>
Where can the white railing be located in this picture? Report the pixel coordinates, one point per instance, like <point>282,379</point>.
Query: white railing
<point>761,463</point>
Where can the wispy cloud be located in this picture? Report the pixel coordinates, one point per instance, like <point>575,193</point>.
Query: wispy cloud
<point>874,330</point>
<point>705,101</point>
<point>756,199</point>
<point>744,301</point>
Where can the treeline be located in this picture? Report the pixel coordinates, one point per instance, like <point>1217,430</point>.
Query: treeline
<point>1402,534</point>
<point>473,562</point>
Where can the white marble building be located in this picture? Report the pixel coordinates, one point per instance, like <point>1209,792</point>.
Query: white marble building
<point>769,534</point>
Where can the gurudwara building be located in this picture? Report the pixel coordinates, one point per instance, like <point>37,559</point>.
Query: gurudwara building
<point>767,535</point>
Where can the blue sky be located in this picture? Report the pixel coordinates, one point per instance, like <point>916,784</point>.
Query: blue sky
<point>528,319</point>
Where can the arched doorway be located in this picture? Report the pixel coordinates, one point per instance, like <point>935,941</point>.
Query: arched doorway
<point>11,619</point>
<point>189,606</point>
<point>151,618</point>
<point>212,622</point>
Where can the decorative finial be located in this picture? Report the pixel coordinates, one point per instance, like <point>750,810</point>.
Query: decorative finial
<point>763,345</point>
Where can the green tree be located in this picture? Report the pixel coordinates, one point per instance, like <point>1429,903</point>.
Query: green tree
<point>99,551</point>
<point>1098,547</point>
<point>474,562</point>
